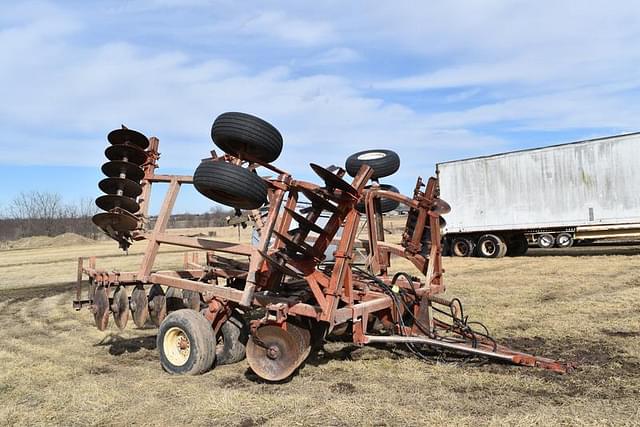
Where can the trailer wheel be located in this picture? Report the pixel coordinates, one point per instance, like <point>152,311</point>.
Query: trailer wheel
<point>383,162</point>
<point>386,205</point>
<point>518,245</point>
<point>241,134</point>
<point>463,247</point>
<point>232,340</point>
<point>230,184</point>
<point>186,343</point>
<point>491,246</point>
<point>564,240</point>
<point>545,241</point>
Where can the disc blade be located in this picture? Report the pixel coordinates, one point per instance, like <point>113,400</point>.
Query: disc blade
<point>113,185</point>
<point>132,153</point>
<point>117,221</point>
<point>157,305</point>
<point>120,307</point>
<point>332,180</point>
<point>441,207</point>
<point>101,307</point>
<point>117,168</point>
<point>123,136</point>
<point>302,336</point>
<point>275,356</point>
<point>191,299</point>
<point>139,305</point>
<point>174,299</point>
<point>110,201</point>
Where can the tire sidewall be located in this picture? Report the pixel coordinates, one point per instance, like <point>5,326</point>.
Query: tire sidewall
<point>386,205</point>
<point>197,346</point>
<point>545,246</point>
<point>461,241</point>
<point>235,336</point>
<point>386,165</point>
<point>208,181</point>
<point>498,246</point>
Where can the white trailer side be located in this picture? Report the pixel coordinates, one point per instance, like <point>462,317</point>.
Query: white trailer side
<point>573,186</point>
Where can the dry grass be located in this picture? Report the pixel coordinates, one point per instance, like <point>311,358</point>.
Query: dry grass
<point>58,369</point>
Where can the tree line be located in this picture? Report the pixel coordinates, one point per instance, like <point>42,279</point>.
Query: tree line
<point>41,213</point>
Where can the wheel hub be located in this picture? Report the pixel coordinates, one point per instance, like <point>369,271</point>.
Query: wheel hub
<point>273,352</point>
<point>176,346</point>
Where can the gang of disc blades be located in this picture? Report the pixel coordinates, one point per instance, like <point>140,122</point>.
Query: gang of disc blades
<point>132,153</point>
<point>115,168</point>
<point>112,185</point>
<point>110,201</point>
<point>122,136</point>
<point>116,221</point>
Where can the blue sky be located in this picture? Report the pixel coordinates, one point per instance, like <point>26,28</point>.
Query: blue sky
<point>433,81</point>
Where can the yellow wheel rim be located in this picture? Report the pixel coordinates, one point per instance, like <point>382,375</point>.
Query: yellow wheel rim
<point>176,346</point>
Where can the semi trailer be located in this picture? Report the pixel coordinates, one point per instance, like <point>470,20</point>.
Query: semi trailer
<point>552,196</point>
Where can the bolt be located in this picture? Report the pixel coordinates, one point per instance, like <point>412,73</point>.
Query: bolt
<point>273,352</point>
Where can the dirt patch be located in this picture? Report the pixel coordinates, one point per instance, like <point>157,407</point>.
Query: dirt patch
<point>252,422</point>
<point>624,334</point>
<point>344,388</point>
<point>25,294</point>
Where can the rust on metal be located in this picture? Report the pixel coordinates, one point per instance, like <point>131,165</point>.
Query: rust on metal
<point>286,274</point>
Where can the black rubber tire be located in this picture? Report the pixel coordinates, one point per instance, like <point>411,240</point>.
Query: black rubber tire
<point>491,246</point>
<point>235,334</point>
<point>564,240</point>
<point>384,163</point>
<point>199,332</point>
<point>518,245</point>
<point>386,205</point>
<point>546,241</point>
<point>462,247</point>
<point>230,184</point>
<point>242,134</point>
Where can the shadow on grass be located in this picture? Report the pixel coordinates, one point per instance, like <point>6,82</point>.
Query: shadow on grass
<point>119,346</point>
<point>598,249</point>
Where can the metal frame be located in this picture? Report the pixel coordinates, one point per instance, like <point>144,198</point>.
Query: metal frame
<point>331,295</point>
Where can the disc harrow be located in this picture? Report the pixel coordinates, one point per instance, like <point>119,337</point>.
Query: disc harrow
<point>125,171</point>
<point>308,273</point>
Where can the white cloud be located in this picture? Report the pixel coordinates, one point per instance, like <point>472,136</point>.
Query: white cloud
<point>520,67</point>
<point>337,55</point>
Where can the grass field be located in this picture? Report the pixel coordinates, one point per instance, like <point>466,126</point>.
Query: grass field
<point>582,306</point>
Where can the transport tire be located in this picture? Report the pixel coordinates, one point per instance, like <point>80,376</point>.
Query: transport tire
<point>386,205</point>
<point>564,240</point>
<point>462,247</point>
<point>518,245</point>
<point>545,241</point>
<point>491,246</point>
<point>186,343</point>
<point>232,340</point>
<point>383,162</point>
<point>241,134</point>
<point>230,184</point>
